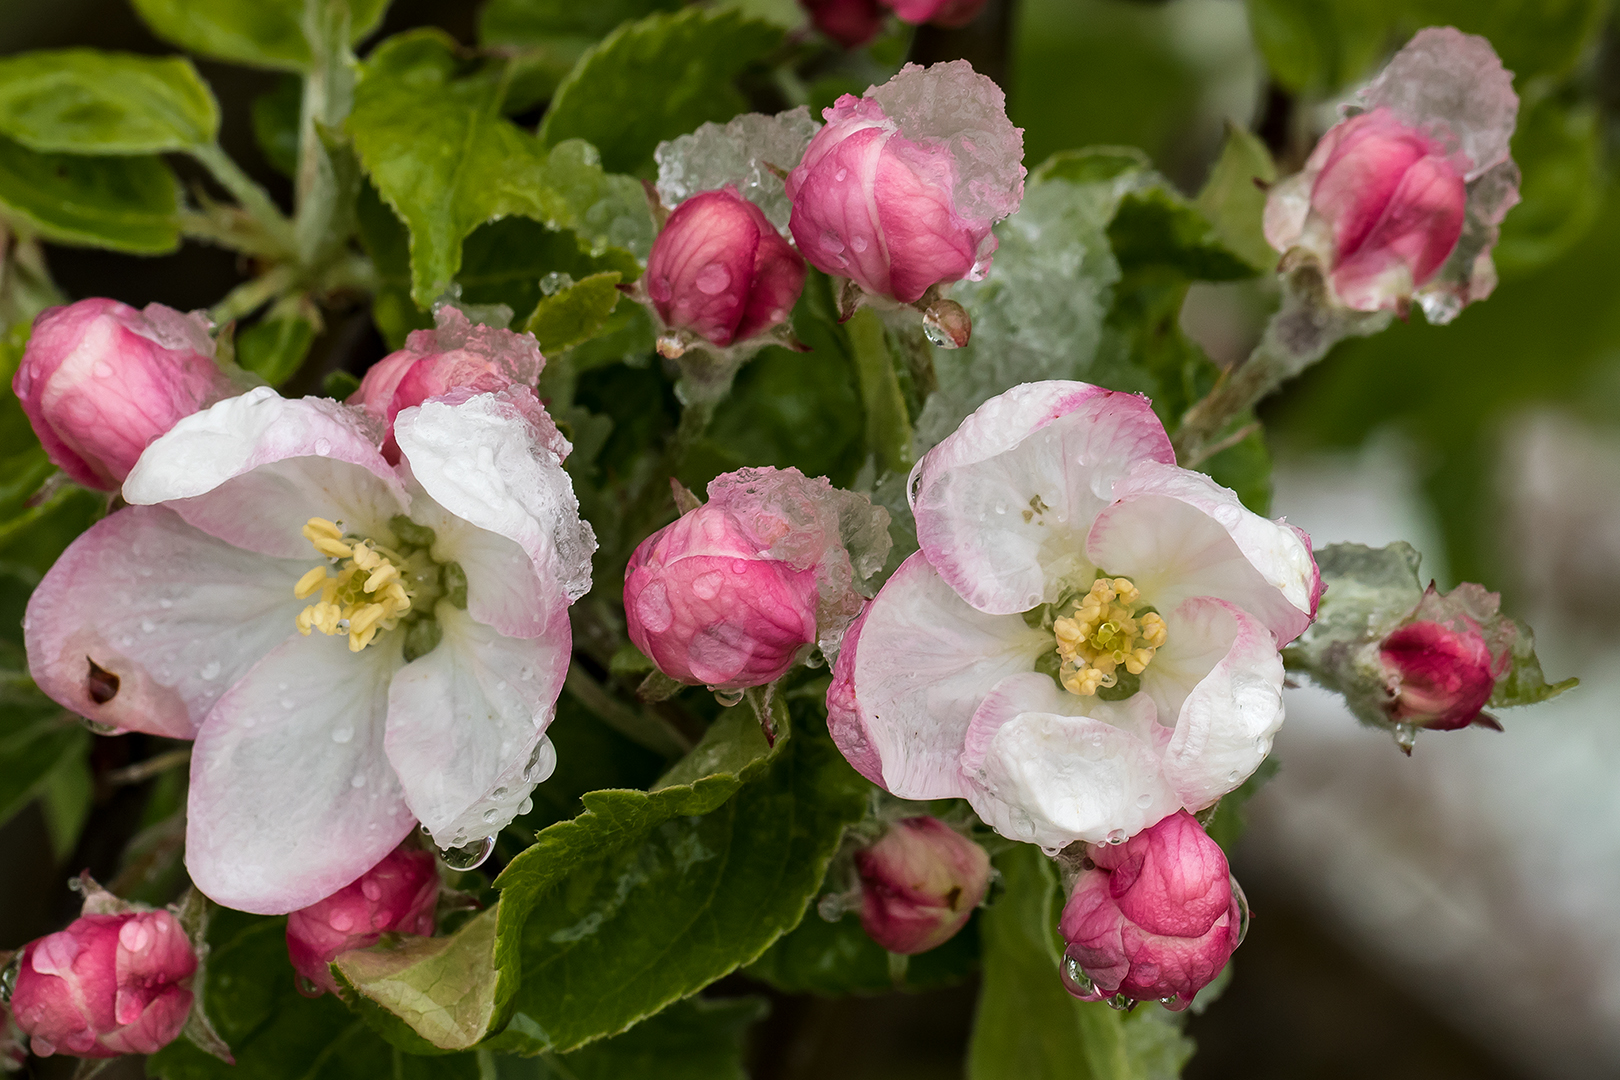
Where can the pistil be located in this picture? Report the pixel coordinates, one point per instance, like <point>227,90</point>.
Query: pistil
<point>1108,630</point>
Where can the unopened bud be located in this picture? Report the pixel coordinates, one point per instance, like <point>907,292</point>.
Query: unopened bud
<point>919,884</point>
<point>1439,676</point>
<point>398,895</point>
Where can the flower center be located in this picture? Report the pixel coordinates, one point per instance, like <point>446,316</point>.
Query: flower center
<point>369,591</point>
<point>1107,630</point>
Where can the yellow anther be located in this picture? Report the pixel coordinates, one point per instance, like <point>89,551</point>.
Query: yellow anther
<point>316,528</point>
<point>381,576</point>
<point>367,594</point>
<point>337,549</point>
<point>310,583</point>
<point>1104,634</point>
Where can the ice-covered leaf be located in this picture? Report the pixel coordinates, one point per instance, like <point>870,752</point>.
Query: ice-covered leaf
<point>655,79</point>
<point>80,101</point>
<point>746,152</point>
<point>575,313</point>
<point>263,33</point>
<point>128,204</point>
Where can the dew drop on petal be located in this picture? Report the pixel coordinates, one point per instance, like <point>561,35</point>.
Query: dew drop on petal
<point>841,175</point>
<point>525,806</point>
<point>712,280</point>
<point>371,889</point>
<point>358,780</point>
<point>707,586</point>
<point>1116,836</point>
<point>342,734</point>
<point>468,856</point>
<point>858,243</point>
<point>323,447</point>
<point>1144,800</point>
<point>727,698</point>
<point>209,671</point>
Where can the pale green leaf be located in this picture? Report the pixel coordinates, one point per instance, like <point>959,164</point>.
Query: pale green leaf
<point>128,204</point>
<point>81,101</point>
<point>443,988</point>
<point>274,348</point>
<point>1233,198</point>
<point>574,314</point>
<point>263,33</point>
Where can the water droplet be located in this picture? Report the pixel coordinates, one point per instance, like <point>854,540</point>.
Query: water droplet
<point>209,671</point>
<point>1001,508</point>
<point>134,935</point>
<point>1262,745</point>
<point>307,987</point>
<point>1232,777</point>
<point>358,780</point>
<point>707,586</point>
<point>542,759</point>
<point>525,806</point>
<point>1144,800</point>
<point>712,280</point>
<point>147,626</point>
<point>489,815</point>
<point>371,889</point>
<point>727,698</point>
<point>342,734</point>
<point>498,793</point>
<point>323,447</point>
<point>342,921</point>
<point>1116,836</point>
<point>1076,981</point>
<point>841,175</point>
<point>468,856</point>
<point>858,243</point>
<point>165,603</point>
<point>832,243</point>
<point>526,674</point>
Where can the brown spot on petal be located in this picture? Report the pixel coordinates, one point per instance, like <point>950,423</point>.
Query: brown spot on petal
<point>101,684</point>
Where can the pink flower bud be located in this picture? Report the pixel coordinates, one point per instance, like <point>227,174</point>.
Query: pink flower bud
<point>1402,200</point>
<point>720,269</point>
<point>455,355</point>
<point>398,896</point>
<point>732,593</point>
<point>919,884</point>
<point>851,23</point>
<point>1440,676</point>
<point>107,985</point>
<point>1154,918</point>
<point>946,13</point>
<point>899,191</point>
<point>100,380</point>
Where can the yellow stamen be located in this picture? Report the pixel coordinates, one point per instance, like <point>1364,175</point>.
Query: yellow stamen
<point>310,583</point>
<point>1104,634</point>
<point>367,595</point>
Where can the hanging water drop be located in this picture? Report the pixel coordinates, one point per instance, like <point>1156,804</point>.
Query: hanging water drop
<point>1076,981</point>
<point>468,856</point>
<point>525,806</point>
<point>307,987</point>
<point>727,698</point>
<point>100,729</point>
<point>1116,836</point>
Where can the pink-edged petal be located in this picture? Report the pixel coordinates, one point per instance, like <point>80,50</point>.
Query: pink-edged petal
<point>176,615</point>
<point>485,461</point>
<point>467,722</point>
<point>918,668</point>
<point>1049,767</point>
<point>292,795</point>
<point>1220,677</point>
<point>1004,503</point>
<point>1178,535</point>
<point>253,469</point>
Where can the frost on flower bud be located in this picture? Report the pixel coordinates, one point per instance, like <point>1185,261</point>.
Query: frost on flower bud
<point>734,592</point>
<point>109,984</point>
<point>1153,919</point>
<point>100,380</point>
<point>919,884</point>
<point>898,192</point>
<point>720,271</point>
<point>456,355</point>
<point>398,896</point>
<point>1402,200</point>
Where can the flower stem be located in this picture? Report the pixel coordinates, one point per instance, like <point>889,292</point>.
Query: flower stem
<point>249,296</point>
<point>641,726</point>
<point>888,429</point>
<point>248,194</point>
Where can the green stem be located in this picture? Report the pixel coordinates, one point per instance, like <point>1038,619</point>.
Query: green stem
<point>249,296</point>
<point>641,726</point>
<point>888,428</point>
<point>248,194</point>
<point>919,357</point>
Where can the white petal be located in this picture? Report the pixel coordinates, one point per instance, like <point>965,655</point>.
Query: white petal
<point>1178,535</point>
<point>1049,767</point>
<point>1003,505</point>
<point>292,796</point>
<point>466,724</point>
<point>1225,721</point>
<point>175,614</point>
<point>485,462</point>
<point>922,662</point>
<point>253,469</point>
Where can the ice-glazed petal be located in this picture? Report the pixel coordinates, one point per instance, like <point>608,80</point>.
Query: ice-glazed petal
<point>253,469</point>
<point>467,722</point>
<point>484,460</point>
<point>1179,534</point>
<point>173,615</point>
<point>1452,84</point>
<point>292,795</point>
<point>1049,767</point>
<point>908,682</point>
<point>1004,503</point>
<point>1220,673</point>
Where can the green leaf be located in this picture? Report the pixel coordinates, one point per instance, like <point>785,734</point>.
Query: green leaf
<point>275,124</point>
<point>1027,1026</point>
<point>274,348</point>
<point>695,1039</point>
<point>1319,46</point>
<point>262,33</point>
<point>80,101</point>
<point>36,738</point>
<point>442,988</point>
<point>128,204</point>
<point>1557,145</point>
<point>440,154</point>
<point>274,1032</point>
<point>1157,229</point>
<point>1524,683</point>
<point>837,958</point>
<point>1233,200</point>
<point>65,796</point>
<point>574,314</point>
<point>534,22</point>
<point>648,897</point>
<point>655,79</point>
<point>888,426</point>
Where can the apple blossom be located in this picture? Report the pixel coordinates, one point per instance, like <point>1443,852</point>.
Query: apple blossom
<point>107,985</point>
<point>898,192</point>
<point>1153,919</point>
<point>398,895</point>
<point>919,884</point>
<point>444,581</point>
<point>1087,641</point>
<point>100,380</point>
<point>1402,200</point>
<point>734,592</point>
<point>1439,676</point>
<point>720,272</point>
<point>455,355</point>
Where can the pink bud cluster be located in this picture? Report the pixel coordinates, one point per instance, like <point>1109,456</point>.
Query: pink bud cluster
<point>919,884</point>
<point>853,23</point>
<point>398,895</point>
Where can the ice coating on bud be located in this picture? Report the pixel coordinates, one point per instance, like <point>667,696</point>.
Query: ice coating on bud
<point>1155,918</point>
<point>1403,199</point>
<point>456,355</point>
<point>733,592</point>
<point>398,896</point>
<point>919,884</point>
<point>107,985</point>
<point>743,153</point>
<point>720,270</point>
<point>100,380</point>
<point>1441,668</point>
<point>899,191</point>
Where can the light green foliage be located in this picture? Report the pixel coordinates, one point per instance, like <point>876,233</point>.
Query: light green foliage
<point>1028,1027</point>
<point>1233,199</point>
<point>574,314</point>
<point>79,101</point>
<point>655,79</point>
<point>262,33</point>
<point>274,348</point>
<point>123,203</point>
<point>441,988</point>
